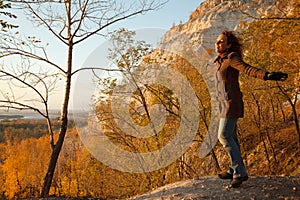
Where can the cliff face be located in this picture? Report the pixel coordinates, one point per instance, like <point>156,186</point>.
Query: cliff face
<point>214,16</point>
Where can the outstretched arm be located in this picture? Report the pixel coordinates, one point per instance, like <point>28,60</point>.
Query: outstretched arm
<point>237,63</point>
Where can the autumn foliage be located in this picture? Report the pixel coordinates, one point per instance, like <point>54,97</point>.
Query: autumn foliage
<point>269,132</point>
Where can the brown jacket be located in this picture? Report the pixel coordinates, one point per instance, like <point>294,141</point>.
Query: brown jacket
<point>229,65</point>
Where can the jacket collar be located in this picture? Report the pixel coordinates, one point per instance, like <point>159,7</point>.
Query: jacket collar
<point>221,57</point>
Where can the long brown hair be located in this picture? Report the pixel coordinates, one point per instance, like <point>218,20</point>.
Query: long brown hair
<point>236,46</point>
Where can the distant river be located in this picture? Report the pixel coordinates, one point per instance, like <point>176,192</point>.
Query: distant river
<point>10,116</point>
<point>33,116</point>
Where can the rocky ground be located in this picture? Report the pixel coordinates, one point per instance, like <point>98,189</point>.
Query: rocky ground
<point>256,188</point>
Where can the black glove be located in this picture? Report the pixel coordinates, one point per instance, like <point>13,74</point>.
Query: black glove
<point>276,76</point>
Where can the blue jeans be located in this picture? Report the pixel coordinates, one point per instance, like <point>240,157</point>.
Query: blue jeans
<point>228,138</point>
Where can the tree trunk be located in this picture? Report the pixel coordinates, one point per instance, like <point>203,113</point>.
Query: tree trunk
<point>53,159</point>
<point>58,146</point>
<point>63,128</point>
<point>296,122</point>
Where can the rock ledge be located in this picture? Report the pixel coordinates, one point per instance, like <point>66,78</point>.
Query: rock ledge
<point>257,187</point>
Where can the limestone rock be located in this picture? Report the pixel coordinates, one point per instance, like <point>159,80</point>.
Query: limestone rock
<point>214,16</point>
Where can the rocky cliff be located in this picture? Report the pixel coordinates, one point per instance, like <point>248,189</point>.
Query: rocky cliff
<point>214,16</point>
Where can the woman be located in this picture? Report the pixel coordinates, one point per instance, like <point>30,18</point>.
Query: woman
<point>229,64</point>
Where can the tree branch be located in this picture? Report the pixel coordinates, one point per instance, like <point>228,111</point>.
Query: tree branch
<point>15,51</point>
<point>59,36</point>
<point>95,68</point>
<point>26,84</point>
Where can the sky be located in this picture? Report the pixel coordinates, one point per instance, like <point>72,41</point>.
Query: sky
<point>172,13</point>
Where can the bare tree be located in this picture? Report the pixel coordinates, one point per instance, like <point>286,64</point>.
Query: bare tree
<point>71,23</point>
